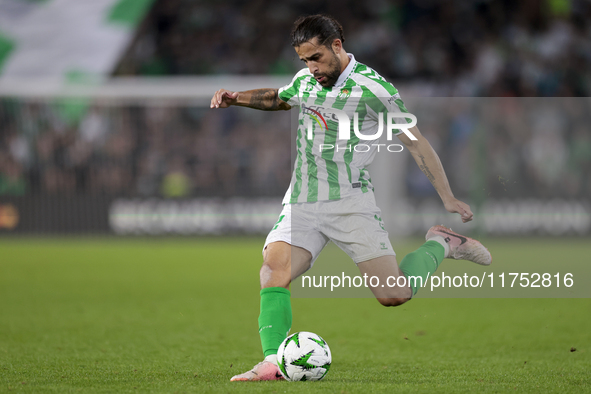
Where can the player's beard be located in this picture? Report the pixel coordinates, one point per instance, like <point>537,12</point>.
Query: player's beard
<point>333,73</point>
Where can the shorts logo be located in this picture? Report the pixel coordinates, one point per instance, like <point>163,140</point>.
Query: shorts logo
<point>383,246</point>
<point>279,221</point>
<point>379,219</point>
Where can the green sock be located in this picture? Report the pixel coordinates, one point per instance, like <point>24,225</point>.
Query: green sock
<point>275,318</point>
<point>422,263</point>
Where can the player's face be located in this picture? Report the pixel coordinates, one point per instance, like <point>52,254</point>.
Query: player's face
<point>321,60</point>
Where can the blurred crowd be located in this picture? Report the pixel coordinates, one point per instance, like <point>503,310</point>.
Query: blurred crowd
<point>490,147</point>
<point>513,147</point>
<point>507,147</point>
<point>453,48</point>
<point>142,151</point>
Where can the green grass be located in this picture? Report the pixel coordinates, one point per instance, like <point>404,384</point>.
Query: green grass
<point>180,315</point>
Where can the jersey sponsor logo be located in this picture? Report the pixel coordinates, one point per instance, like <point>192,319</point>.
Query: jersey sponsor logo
<point>318,118</point>
<point>344,123</point>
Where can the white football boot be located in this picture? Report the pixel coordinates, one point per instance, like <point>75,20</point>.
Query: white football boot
<point>460,247</point>
<point>265,370</point>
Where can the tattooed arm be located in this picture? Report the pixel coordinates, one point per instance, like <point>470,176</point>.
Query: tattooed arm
<point>429,163</point>
<point>263,99</point>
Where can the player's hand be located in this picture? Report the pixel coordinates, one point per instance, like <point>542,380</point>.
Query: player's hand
<point>457,206</point>
<point>223,99</point>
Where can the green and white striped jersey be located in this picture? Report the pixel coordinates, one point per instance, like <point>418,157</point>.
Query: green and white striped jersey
<point>321,173</point>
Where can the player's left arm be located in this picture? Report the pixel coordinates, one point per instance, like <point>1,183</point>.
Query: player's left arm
<point>428,161</point>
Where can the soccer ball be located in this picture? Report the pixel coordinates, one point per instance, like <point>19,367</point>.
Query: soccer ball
<point>304,356</point>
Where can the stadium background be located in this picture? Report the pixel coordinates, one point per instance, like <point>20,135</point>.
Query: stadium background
<point>116,123</point>
<point>107,143</point>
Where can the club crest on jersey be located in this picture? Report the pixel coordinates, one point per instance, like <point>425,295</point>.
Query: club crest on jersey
<point>344,94</point>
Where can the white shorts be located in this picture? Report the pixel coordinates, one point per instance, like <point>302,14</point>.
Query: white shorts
<point>354,224</point>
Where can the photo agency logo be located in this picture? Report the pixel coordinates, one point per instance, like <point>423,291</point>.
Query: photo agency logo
<point>317,118</point>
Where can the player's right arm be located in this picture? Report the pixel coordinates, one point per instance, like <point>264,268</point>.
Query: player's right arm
<point>428,161</point>
<point>263,99</point>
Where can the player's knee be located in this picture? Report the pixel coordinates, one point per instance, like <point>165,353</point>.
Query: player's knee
<point>392,301</point>
<point>275,274</point>
<point>394,296</point>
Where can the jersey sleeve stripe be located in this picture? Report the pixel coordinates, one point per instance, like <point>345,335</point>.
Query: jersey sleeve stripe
<point>380,89</point>
<point>297,183</point>
<point>312,169</point>
<point>383,91</point>
<point>289,92</point>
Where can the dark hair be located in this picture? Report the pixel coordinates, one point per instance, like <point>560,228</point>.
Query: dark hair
<point>324,27</point>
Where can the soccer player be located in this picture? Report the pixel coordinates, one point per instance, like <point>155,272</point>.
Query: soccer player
<point>330,196</point>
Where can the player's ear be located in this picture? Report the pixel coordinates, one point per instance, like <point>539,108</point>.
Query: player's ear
<point>337,45</point>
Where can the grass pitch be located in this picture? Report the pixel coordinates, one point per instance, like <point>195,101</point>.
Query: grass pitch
<point>180,315</point>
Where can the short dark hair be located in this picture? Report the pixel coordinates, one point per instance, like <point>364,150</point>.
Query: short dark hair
<point>324,27</point>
